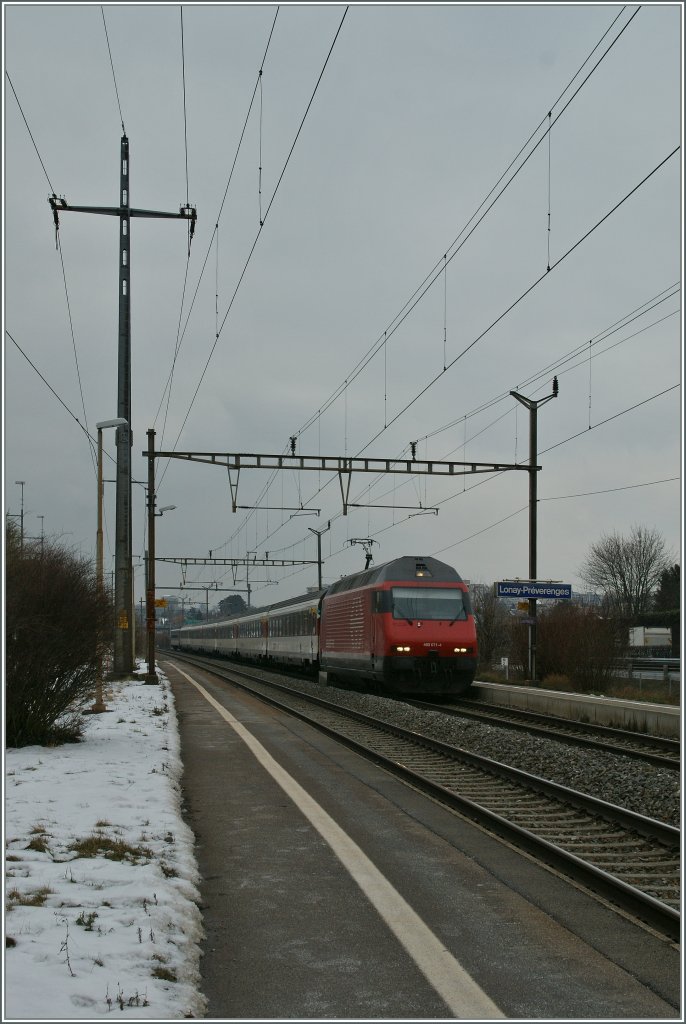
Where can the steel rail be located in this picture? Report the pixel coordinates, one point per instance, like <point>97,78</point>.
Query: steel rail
<point>618,741</point>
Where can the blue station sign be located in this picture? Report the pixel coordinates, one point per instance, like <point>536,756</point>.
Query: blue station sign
<point>528,589</point>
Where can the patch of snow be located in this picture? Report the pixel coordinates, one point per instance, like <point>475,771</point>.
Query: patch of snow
<point>90,936</point>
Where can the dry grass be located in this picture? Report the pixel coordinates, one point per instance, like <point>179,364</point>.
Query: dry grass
<point>27,899</point>
<point>98,845</point>
<point>559,683</point>
<point>39,843</point>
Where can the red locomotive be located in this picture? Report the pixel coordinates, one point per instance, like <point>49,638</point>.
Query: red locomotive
<point>406,625</point>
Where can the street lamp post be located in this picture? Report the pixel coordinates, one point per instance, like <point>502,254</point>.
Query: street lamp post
<point>21,483</point>
<point>150,590</point>
<point>99,705</point>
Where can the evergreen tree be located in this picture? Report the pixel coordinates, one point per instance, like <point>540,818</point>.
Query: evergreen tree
<point>668,595</point>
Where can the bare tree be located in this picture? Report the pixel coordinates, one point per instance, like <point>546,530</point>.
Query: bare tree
<point>627,569</point>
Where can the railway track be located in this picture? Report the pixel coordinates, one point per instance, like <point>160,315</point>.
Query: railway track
<point>654,749</point>
<point>630,860</point>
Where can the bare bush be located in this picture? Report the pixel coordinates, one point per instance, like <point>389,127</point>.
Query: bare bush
<point>57,627</point>
<point>573,643</point>
<point>519,649</point>
<point>492,622</point>
<point>578,643</point>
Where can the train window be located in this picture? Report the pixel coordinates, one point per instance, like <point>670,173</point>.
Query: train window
<point>428,603</point>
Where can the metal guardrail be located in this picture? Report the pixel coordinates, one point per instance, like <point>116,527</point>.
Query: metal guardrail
<point>664,665</point>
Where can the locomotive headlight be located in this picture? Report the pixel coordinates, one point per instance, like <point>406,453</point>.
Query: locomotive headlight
<point>401,649</point>
<point>460,650</point>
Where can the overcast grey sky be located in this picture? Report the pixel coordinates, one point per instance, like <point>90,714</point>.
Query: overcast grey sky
<point>419,112</point>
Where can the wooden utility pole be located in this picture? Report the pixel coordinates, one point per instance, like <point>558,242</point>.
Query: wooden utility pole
<point>123,568</point>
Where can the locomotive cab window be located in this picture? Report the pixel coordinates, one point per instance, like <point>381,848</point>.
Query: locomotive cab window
<point>431,603</point>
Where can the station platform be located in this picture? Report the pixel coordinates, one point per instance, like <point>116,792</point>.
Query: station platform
<point>332,890</point>
<point>640,716</point>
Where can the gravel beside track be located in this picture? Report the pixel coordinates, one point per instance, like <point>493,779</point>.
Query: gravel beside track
<point>615,778</point>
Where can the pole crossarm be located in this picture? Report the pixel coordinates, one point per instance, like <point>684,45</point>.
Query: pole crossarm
<point>342,465</point>
<point>61,206</point>
<point>262,562</point>
<point>417,508</point>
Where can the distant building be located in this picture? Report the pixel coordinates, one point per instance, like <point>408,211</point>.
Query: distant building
<point>587,600</point>
<point>650,636</point>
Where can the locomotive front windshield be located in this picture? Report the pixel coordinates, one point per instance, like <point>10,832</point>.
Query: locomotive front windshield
<point>428,603</point>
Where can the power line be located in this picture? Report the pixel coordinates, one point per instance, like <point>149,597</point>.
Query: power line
<point>92,441</point>
<point>64,277</point>
<point>259,232</point>
<point>610,418</point>
<point>521,297</point>
<point>181,334</point>
<point>188,254</point>
<point>627,487</point>
<point>612,490</point>
<point>185,124</point>
<point>114,77</point>
<point>551,368</point>
<point>554,367</point>
<point>73,341</point>
<point>30,132</point>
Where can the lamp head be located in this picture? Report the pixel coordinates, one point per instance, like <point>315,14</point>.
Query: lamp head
<point>117,422</point>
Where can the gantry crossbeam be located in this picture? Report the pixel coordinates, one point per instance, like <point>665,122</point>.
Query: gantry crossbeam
<point>342,465</point>
<point>278,562</point>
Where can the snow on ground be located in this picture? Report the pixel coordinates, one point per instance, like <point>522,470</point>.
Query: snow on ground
<point>110,926</point>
